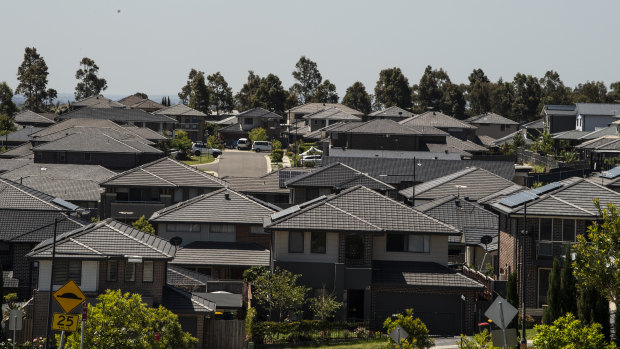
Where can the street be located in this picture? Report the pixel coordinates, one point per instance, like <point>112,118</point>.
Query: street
<point>238,163</point>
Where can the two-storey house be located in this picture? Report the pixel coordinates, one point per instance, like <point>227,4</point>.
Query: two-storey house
<point>378,256</point>
<point>493,125</point>
<point>188,119</point>
<point>250,119</point>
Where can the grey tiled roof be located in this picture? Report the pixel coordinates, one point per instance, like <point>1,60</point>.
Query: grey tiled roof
<point>376,126</point>
<point>401,170</point>
<point>332,114</point>
<point>602,143</point>
<point>182,302</point>
<point>259,113</point>
<point>97,101</point>
<point>267,184</point>
<point>313,107</point>
<point>598,109</point>
<point>220,206</point>
<point>536,124</point>
<point>222,253</point>
<point>24,150</point>
<point>7,165</point>
<point>130,100</point>
<point>29,117</point>
<point>120,134</point>
<point>358,209</point>
<point>33,226</point>
<point>179,109</point>
<point>165,172</point>
<point>21,135</point>
<point>77,122</point>
<point>123,115</point>
<point>97,143</point>
<point>436,119</point>
<point>495,197</point>
<point>16,196</point>
<point>66,189</point>
<point>145,133</point>
<point>93,173</point>
<point>101,240</point>
<point>490,118</point>
<point>472,182</point>
<point>234,128</point>
<point>455,143</point>
<point>570,135</point>
<point>508,139</point>
<point>562,110</point>
<point>8,280</point>
<point>186,279</point>
<point>337,176</point>
<point>420,274</point>
<point>605,131</point>
<point>392,112</point>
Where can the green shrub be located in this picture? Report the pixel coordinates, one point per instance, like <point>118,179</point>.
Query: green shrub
<point>419,337</point>
<point>480,340</point>
<point>568,332</point>
<point>249,323</point>
<point>277,155</point>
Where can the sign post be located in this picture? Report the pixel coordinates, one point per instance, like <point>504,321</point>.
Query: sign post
<point>68,297</point>
<point>15,322</point>
<point>84,318</point>
<point>501,312</point>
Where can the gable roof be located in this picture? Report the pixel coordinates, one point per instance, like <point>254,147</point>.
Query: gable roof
<point>331,114</point>
<point>30,117</point>
<point>165,172</point>
<point>221,206</point>
<point>392,112</point>
<point>456,145</point>
<point>105,239</point>
<point>97,101</point>
<point>122,115</point>
<point>472,182</point>
<point>222,253</point>
<point>179,109</point>
<point>84,123</point>
<point>130,100</point>
<point>114,132</point>
<point>259,113</point>
<point>337,176</point>
<point>267,184</point>
<point>314,107</point>
<point>97,143</point>
<point>17,196</point>
<point>358,209</point>
<point>436,119</point>
<point>145,133</point>
<point>490,118</point>
<point>571,197</point>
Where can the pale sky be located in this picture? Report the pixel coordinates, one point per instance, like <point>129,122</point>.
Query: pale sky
<point>150,46</point>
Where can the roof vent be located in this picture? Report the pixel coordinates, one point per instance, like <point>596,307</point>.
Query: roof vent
<point>400,113</point>
<point>227,196</point>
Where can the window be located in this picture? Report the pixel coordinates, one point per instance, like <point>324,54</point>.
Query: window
<point>568,230</point>
<point>65,270</point>
<point>295,242</point>
<point>257,229</point>
<point>408,243</point>
<point>112,272</point>
<point>147,271</point>
<point>130,271</point>
<point>221,228</point>
<point>87,157</point>
<point>503,128</point>
<point>194,119</point>
<point>354,247</point>
<point>248,121</point>
<point>183,227</point>
<point>546,229</point>
<point>318,242</point>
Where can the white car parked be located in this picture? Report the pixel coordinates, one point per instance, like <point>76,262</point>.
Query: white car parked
<point>259,146</point>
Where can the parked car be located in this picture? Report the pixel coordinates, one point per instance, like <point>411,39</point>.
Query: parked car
<point>200,148</point>
<point>243,143</point>
<point>259,146</point>
<point>311,159</point>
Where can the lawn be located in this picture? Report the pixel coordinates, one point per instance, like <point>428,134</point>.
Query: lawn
<point>197,160</point>
<point>375,344</point>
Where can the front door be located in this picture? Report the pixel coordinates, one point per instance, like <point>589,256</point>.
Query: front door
<point>355,305</point>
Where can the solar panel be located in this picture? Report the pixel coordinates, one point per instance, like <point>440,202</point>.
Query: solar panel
<point>284,176</point>
<point>518,199</point>
<point>547,188</point>
<point>613,173</point>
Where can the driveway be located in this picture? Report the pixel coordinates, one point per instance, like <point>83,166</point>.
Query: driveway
<point>238,163</point>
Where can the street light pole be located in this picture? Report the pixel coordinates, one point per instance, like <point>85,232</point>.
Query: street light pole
<point>524,237</point>
<point>48,331</point>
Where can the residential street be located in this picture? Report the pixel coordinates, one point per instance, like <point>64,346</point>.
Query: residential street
<point>238,163</point>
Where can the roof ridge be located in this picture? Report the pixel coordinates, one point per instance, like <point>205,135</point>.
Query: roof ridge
<point>131,170</point>
<point>84,245</point>
<point>154,175</point>
<point>18,186</point>
<point>453,176</point>
<point>138,240</point>
<point>568,203</point>
<point>354,216</point>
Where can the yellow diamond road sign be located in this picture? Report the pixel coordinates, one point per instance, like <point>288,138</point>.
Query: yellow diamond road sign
<point>69,296</point>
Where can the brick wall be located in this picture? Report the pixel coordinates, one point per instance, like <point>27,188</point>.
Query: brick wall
<point>244,235</point>
<point>22,269</point>
<point>147,289</point>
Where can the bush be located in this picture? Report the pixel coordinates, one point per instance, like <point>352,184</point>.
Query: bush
<point>249,323</point>
<point>257,134</point>
<point>480,340</point>
<point>304,331</point>
<point>568,332</point>
<point>419,337</point>
<point>277,155</point>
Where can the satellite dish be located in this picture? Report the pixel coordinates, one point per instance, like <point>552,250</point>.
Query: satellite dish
<point>486,239</point>
<point>176,241</point>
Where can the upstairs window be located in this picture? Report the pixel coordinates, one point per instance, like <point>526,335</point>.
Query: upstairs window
<point>568,230</point>
<point>318,242</point>
<point>248,121</point>
<point>66,270</point>
<point>295,242</point>
<point>408,243</point>
<point>546,229</point>
<point>130,271</point>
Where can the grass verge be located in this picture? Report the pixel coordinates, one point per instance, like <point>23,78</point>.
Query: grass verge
<point>197,160</point>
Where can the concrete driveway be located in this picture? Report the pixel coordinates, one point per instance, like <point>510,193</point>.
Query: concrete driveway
<point>239,163</point>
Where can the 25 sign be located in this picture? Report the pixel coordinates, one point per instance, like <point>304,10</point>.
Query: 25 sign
<point>65,322</point>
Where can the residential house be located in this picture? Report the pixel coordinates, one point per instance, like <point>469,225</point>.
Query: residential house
<point>23,151</point>
<point>77,184</point>
<point>378,256</point>
<point>454,127</point>
<point>555,214</point>
<point>332,179</point>
<point>97,101</point>
<point>18,137</point>
<point>148,188</point>
<point>559,118</point>
<point>393,113</point>
<point>591,116</point>
<point>610,178</point>
<point>221,233</point>
<point>600,150</point>
<point>30,118</point>
<point>296,113</point>
<point>123,116</point>
<point>145,104</point>
<point>325,117</point>
<point>477,245</point>
<point>493,125</point>
<point>472,183</point>
<point>250,119</point>
<point>187,119</point>
<point>27,217</point>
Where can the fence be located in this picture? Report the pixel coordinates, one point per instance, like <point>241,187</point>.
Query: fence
<point>536,159</point>
<point>225,334</point>
<point>545,178</point>
<point>309,333</point>
<point>25,335</point>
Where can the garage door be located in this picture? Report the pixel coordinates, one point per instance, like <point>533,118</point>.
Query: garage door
<point>440,313</point>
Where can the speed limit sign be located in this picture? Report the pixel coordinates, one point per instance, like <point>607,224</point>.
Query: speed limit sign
<point>65,322</point>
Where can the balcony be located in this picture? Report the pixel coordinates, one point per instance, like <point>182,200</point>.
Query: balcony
<point>133,210</point>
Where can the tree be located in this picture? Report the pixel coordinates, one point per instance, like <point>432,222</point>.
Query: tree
<point>6,125</point>
<point>597,265</point>
<point>501,98</point>
<point>182,143</point>
<point>544,144</point>
<point>326,93</point>
<point>518,140</point>
<point>142,95</point>
<point>32,76</point>
<point>430,90</point>
<point>613,96</point>
<point>7,107</point>
<point>593,307</point>
<point>278,291</point>
<point>357,98</point>
<point>453,101</point>
<point>90,84</point>
<point>244,98</point>
<point>308,79</point>
<point>125,321</point>
<point>478,92</point>
<point>553,90</point>
<point>195,93</point>
<point>512,294</point>
<point>569,289</point>
<point>527,97</point>
<point>554,294</point>
<point>168,101</point>
<point>392,89</point>
<point>324,305</point>
<point>143,224</point>
<point>418,333</point>
<point>568,332</point>
<point>257,134</point>
<point>590,92</point>
<point>221,94</point>
<point>270,94</point>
